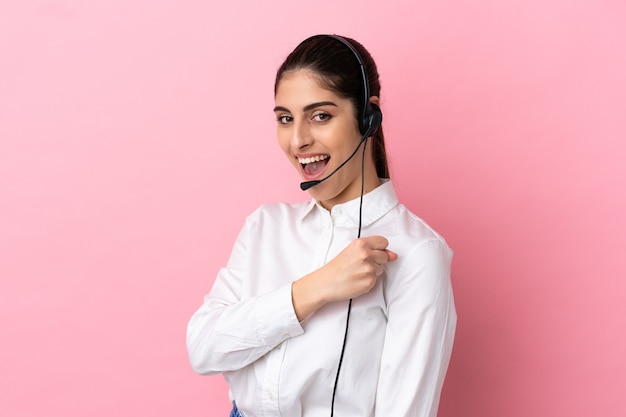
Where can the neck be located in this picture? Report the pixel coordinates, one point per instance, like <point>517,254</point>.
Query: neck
<point>354,190</point>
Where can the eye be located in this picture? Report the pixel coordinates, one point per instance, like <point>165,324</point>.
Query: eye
<point>322,117</point>
<point>283,119</point>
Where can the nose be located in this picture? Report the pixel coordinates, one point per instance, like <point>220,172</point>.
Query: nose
<point>301,136</point>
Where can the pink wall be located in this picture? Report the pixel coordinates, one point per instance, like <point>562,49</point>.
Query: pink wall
<point>135,136</point>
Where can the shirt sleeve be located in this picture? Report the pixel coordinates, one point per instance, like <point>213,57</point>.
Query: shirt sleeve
<point>227,332</point>
<point>419,335</point>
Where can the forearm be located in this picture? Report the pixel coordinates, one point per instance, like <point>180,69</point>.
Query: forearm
<point>307,296</point>
<point>223,337</point>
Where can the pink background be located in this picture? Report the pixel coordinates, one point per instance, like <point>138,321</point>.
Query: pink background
<point>136,135</point>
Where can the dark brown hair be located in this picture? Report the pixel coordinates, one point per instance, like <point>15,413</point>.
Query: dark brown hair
<point>340,72</point>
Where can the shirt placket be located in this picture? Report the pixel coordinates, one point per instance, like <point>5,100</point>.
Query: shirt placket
<point>323,227</point>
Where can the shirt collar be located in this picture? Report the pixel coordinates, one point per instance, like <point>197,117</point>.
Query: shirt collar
<point>376,204</point>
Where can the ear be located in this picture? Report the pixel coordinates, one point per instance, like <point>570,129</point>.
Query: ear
<point>375,116</point>
<point>375,100</point>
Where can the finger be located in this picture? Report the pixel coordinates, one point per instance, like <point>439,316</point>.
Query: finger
<point>379,270</point>
<point>391,256</point>
<point>380,257</point>
<point>384,256</point>
<point>377,242</point>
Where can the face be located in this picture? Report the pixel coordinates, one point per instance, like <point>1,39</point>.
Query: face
<point>318,130</point>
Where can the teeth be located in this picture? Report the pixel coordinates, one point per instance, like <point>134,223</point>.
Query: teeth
<point>315,158</point>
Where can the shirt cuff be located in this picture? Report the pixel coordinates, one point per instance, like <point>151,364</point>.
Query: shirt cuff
<point>275,317</point>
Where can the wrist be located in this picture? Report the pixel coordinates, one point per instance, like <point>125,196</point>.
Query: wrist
<point>306,297</point>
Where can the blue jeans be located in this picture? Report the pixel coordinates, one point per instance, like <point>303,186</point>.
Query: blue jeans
<point>235,412</point>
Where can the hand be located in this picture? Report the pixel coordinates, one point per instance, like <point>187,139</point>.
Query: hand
<point>353,272</point>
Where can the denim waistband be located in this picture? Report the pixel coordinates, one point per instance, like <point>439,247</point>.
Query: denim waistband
<point>235,412</point>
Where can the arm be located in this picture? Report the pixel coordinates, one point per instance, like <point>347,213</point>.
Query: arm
<point>419,335</point>
<point>227,332</point>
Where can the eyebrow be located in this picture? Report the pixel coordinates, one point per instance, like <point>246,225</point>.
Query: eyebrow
<point>308,106</point>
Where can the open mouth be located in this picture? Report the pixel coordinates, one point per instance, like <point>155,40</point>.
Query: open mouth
<point>315,164</point>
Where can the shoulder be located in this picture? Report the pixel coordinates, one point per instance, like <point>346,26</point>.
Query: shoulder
<point>424,257</point>
<point>276,214</point>
<point>410,231</point>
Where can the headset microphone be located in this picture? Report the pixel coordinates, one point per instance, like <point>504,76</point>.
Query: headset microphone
<point>308,184</point>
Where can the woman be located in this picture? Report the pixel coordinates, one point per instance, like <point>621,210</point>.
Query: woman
<point>307,318</point>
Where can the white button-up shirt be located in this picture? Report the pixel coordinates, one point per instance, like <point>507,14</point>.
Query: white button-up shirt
<point>400,335</point>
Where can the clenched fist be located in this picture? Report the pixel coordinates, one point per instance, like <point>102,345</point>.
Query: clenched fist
<point>353,272</point>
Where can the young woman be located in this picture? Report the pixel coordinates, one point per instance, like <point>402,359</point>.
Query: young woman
<point>340,305</point>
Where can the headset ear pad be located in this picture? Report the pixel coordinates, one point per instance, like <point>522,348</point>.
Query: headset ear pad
<point>372,119</point>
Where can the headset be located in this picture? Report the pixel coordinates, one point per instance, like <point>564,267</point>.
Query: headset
<point>370,118</point>
<point>369,115</point>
